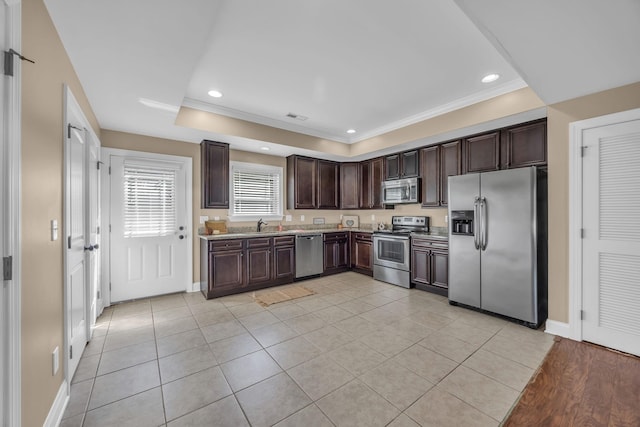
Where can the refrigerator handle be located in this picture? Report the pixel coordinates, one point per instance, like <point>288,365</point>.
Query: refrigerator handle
<point>483,237</point>
<point>476,223</point>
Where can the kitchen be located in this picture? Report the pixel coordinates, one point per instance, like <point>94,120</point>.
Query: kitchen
<point>41,97</point>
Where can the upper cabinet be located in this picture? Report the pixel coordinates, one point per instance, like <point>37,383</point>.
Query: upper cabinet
<point>439,162</point>
<point>524,145</point>
<point>371,177</point>
<point>482,152</point>
<point>402,165</point>
<point>214,158</point>
<point>513,147</point>
<point>349,188</point>
<point>312,183</point>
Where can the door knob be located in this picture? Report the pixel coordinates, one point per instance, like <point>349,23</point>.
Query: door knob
<point>181,237</point>
<point>88,248</point>
<point>181,228</point>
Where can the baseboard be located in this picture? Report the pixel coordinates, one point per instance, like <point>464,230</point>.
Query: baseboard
<point>195,287</point>
<point>57,409</point>
<point>558,328</point>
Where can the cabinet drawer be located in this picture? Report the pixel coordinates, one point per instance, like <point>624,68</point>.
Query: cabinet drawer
<point>362,236</point>
<point>260,242</point>
<point>328,237</point>
<point>284,241</point>
<point>225,245</point>
<point>429,243</point>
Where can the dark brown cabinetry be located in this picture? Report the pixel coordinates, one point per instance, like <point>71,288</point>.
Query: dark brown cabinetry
<point>239,265</point>
<point>430,264</point>
<point>482,153</point>
<point>349,186</point>
<point>362,253</point>
<point>312,183</point>
<point>214,157</point>
<point>336,252</point>
<point>524,145</point>
<point>402,165</point>
<point>513,147</point>
<point>371,177</point>
<point>439,162</point>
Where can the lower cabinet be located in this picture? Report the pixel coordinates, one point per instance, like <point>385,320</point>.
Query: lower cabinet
<point>430,265</point>
<point>362,253</point>
<point>336,252</point>
<point>239,265</point>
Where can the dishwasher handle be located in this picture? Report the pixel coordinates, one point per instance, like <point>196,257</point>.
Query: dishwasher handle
<point>307,237</point>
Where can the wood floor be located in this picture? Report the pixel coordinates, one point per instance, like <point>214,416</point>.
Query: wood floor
<point>581,384</point>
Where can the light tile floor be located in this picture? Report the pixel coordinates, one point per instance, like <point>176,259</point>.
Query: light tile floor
<point>358,353</point>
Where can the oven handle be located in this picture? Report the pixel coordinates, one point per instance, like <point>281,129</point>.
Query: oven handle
<point>476,222</point>
<point>390,237</point>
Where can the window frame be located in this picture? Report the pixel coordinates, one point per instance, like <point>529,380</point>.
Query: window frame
<point>259,168</point>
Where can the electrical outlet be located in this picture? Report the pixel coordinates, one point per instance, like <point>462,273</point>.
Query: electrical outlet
<point>373,217</point>
<point>55,360</point>
<point>204,218</point>
<point>287,218</point>
<point>216,218</point>
<point>446,219</point>
<point>302,218</point>
<point>54,229</point>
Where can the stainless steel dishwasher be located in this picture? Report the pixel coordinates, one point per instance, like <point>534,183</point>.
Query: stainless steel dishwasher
<point>309,261</point>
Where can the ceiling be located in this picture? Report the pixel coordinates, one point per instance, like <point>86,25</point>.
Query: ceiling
<point>372,66</point>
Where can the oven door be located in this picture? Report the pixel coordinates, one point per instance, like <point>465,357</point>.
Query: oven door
<point>391,251</point>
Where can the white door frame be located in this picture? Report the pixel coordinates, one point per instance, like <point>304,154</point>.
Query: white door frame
<point>11,194</point>
<point>72,108</point>
<point>105,203</point>
<point>576,131</point>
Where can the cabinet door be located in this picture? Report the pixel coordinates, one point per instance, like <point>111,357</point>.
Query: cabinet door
<point>349,186</point>
<point>284,262</point>
<point>450,165</point>
<point>377,175</point>
<point>258,266</point>
<point>365,184</point>
<point>410,164</point>
<point>301,182</point>
<point>214,174</point>
<point>226,270</point>
<point>342,253</point>
<point>430,176</point>
<point>440,269</point>
<point>392,166</point>
<point>328,184</point>
<point>330,249</point>
<point>420,266</point>
<point>525,145</point>
<point>482,153</point>
<point>363,255</point>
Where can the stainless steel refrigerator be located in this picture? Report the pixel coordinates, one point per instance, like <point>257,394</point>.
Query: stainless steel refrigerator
<point>498,243</point>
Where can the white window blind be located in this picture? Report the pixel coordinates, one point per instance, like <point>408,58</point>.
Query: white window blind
<point>149,201</point>
<point>256,191</point>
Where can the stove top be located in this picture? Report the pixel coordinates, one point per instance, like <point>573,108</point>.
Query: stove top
<point>404,225</point>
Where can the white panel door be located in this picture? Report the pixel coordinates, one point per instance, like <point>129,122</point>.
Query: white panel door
<point>76,239</point>
<point>149,241</point>
<point>3,246</point>
<point>611,244</point>
<point>93,222</point>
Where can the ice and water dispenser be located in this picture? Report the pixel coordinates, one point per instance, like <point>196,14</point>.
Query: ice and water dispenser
<point>462,222</point>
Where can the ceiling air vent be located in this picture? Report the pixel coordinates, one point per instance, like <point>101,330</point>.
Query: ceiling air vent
<point>297,116</point>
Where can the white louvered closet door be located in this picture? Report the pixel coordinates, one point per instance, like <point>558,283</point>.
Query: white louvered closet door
<point>149,249</point>
<point>611,244</point>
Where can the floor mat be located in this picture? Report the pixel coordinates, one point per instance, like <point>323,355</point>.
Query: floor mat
<point>282,295</point>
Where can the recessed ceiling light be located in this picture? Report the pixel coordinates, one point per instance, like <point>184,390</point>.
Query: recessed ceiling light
<point>351,131</point>
<point>490,78</point>
<point>215,93</point>
<point>158,105</point>
<point>265,148</point>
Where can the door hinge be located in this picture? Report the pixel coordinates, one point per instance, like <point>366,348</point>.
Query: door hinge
<point>581,314</point>
<point>109,285</point>
<point>109,228</point>
<point>70,352</point>
<point>7,268</point>
<point>109,170</point>
<point>69,242</point>
<point>98,163</point>
<point>8,61</point>
<point>98,295</point>
<point>582,233</point>
<point>583,150</point>
<point>97,230</point>
<point>69,127</point>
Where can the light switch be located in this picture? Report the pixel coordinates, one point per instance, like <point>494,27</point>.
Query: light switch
<point>287,218</point>
<point>204,218</point>
<point>55,361</point>
<point>216,218</point>
<point>446,219</point>
<point>301,217</point>
<point>54,229</point>
<point>373,217</point>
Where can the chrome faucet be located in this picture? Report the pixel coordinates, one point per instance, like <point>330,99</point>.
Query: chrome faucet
<point>260,224</point>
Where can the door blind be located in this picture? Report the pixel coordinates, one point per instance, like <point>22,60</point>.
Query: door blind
<point>149,201</point>
<point>256,192</point>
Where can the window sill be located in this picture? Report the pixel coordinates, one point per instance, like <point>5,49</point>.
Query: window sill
<point>248,218</point>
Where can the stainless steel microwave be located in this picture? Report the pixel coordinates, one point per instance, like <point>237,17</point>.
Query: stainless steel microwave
<point>401,191</point>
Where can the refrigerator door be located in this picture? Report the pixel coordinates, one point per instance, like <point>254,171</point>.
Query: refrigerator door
<point>508,272</point>
<point>464,258</point>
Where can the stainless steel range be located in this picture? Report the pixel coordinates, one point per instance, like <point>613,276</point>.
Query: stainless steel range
<point>392,249</point>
